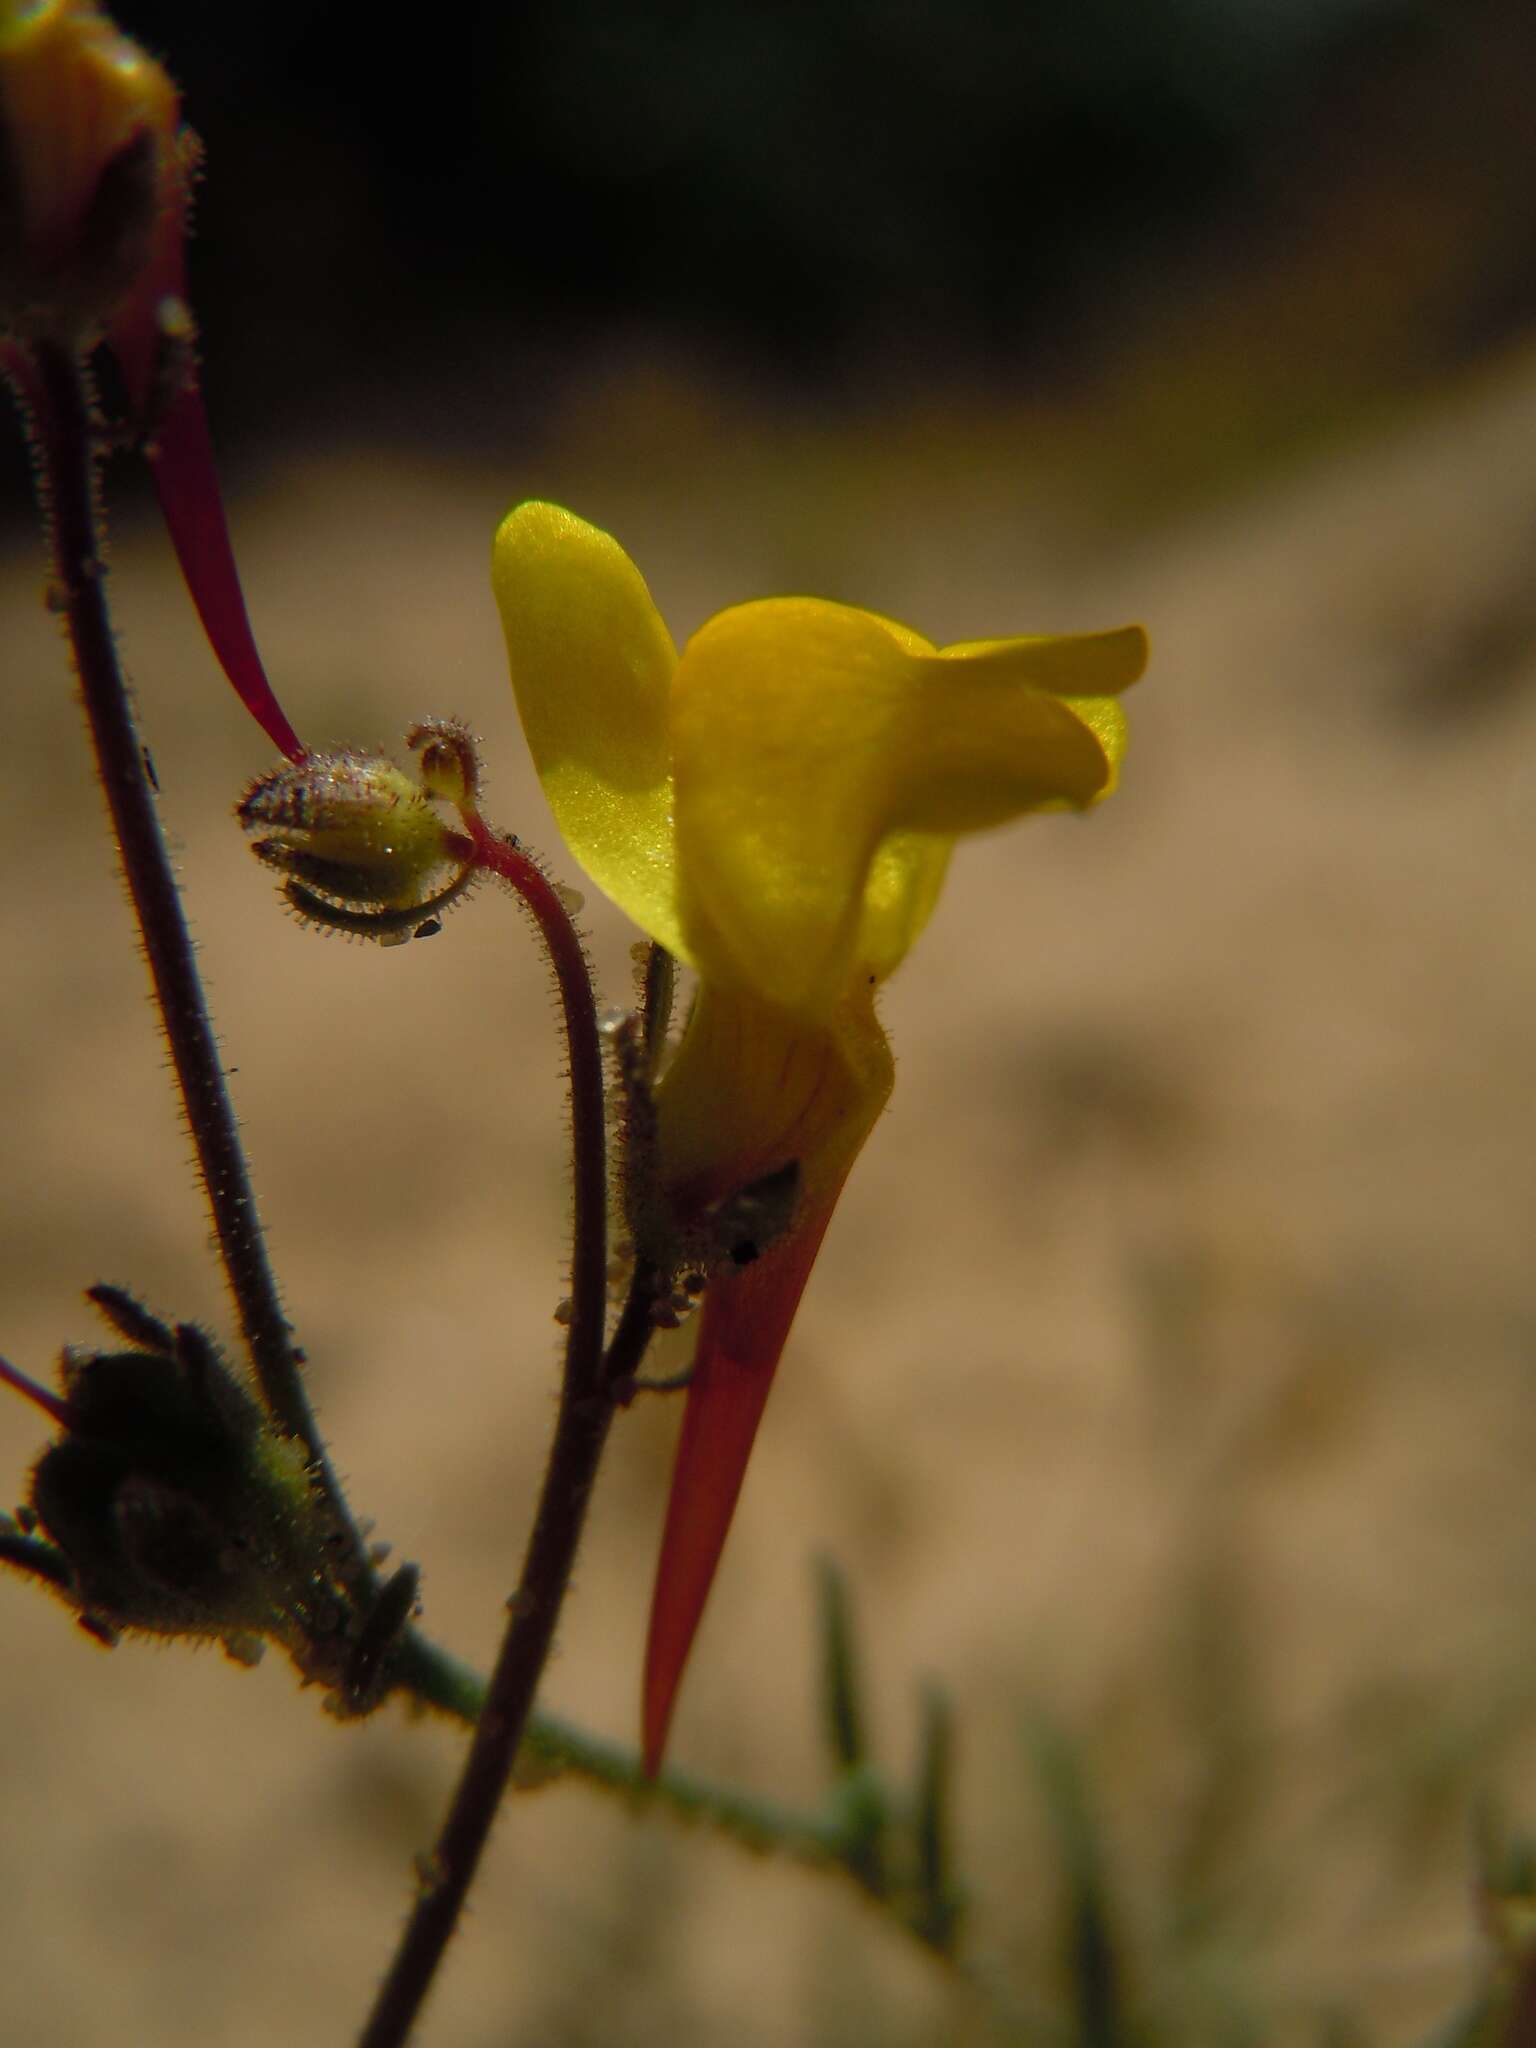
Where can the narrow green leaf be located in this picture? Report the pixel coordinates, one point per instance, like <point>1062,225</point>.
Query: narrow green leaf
<point>841,1706</point>
<point>1089,1946</point>
<point>939,1904</point>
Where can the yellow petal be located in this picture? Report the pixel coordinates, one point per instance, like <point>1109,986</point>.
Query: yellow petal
<point>1066,664</point>
<point>902,888</point>
<point>752,1088</point>
<point>1086,670</point>
<point>805,735</point>
<point>592,665</point>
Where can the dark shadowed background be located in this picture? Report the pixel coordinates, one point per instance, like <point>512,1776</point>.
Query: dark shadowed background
<point>1168,1370</point>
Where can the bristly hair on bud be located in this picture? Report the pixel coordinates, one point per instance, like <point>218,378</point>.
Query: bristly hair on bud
<point>361,846</point>
<point>448,761</point>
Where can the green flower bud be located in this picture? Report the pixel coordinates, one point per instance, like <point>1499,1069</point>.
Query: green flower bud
<point>360,843</point>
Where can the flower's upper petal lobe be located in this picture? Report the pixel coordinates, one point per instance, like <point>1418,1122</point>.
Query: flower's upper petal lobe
<point>824,758</point>
<point>1086,670</point>
<point>592,665</point>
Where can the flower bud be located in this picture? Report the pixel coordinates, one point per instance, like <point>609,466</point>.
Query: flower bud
<point>92,160</point>
<point>178,1507</point>
<point>361,845</point>
<point>446,760</point>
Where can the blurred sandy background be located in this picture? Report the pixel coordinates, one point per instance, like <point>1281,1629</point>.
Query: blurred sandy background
<point>1168,1367</point>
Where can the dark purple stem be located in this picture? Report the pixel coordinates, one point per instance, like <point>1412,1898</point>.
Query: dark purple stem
<point>581,1431</point>
<point>64,437</point>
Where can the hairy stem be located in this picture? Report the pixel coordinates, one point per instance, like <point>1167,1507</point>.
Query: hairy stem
<point>581,1431</point>
<point>555,1748</point>
<point>834,1839</point>
<point>62,427</point>
<point>504,858</point>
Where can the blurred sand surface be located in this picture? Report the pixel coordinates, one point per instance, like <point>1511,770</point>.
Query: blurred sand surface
<point>1168,1367</point>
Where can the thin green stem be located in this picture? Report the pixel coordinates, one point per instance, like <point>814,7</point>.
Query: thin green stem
<point>556,1748</point>
<point>67,455</point>
<point>434,1677</point>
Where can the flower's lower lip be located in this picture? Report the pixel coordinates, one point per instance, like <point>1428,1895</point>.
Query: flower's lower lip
<point>750,1090</point>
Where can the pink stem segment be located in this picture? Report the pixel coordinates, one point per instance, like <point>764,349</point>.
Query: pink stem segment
<point>187,483</point>
<point>152,324</point>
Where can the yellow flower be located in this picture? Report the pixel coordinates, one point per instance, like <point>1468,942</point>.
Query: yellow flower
<point>776,806</point>
<point>92,159</point>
